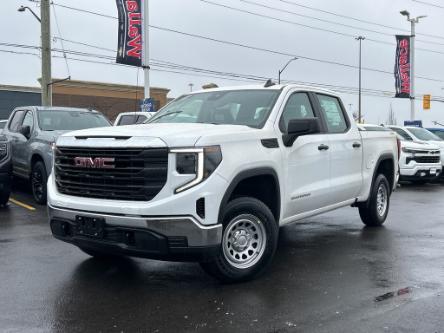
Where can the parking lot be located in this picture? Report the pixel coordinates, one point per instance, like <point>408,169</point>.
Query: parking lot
<point>330,275</point>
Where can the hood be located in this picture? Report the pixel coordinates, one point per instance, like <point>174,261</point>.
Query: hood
<point>173,135</point>
<point>50,136</point>
<point>419,145</point>
<point>439,144</point>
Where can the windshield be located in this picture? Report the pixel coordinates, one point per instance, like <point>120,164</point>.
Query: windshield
<point>237,107</point>
<point>437,133</point>
<point>423,134</point>
<point>70,120</point>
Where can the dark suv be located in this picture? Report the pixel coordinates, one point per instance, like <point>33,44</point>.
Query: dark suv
<point>5,170</point>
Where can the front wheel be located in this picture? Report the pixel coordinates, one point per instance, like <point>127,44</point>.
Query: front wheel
<point>249,241</point>
<point>374,212</point>
<point>38,182</point>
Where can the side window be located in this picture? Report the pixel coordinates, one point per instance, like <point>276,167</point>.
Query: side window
<point>298,107</point>
<point>333,114</point>
<point>28,120</point>
<point>15,121</point>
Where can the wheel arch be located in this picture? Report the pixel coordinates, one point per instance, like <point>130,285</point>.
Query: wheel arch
<point>243,182</point>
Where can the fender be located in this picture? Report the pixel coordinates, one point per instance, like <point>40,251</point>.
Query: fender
<point>383,157</point>
<point>266,171</point>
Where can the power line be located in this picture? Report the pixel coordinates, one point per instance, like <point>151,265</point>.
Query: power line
<point>287,54</point>
<point>329,21</point>
<point>185,70</point>
<point>429,4</point>
<point>256,14</point>
<point>306,25</point>
<point>355,19</point>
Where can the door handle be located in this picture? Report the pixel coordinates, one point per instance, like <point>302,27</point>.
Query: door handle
<point>323,147</point>
<point>356,145</point>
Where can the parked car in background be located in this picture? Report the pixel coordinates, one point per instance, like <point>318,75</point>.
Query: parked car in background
<point>32,131</point>
<point>215,173</point>
<point>2,125</point>
<point>5,170</point>
<point>437,131</point>
<point>132,118</point>
<point>420,135</point>
<point>420,162</point>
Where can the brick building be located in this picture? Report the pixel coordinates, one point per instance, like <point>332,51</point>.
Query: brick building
<point>110,99</point>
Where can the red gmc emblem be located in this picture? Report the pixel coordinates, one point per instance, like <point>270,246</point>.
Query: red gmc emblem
<point>95,163</point>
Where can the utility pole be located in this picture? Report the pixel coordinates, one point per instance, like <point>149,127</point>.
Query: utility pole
<point>360,39</point>
<point>46,52</point>
<point>412,21</point>
<point>146,47</point>
<point>283,69</point>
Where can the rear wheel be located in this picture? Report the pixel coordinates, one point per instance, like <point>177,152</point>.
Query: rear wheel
<point>38,182</point>
<point>374,212</point>
<point>249,241</point>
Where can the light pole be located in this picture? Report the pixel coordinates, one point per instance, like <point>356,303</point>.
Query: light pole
<point>45,24</point>
<point>412,21</point>
<point>24,8</point>
<point>360,39</point>
<point>283,69</point>
<point>191,85</point>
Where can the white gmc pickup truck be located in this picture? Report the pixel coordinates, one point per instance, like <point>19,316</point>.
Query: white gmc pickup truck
<point>215,173</point>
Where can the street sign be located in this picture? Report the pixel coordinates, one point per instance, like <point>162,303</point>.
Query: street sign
<point>416,123</point>
<point>147,105</point>
<point>426,102</point>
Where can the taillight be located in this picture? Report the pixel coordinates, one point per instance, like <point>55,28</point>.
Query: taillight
<point>398,142</point>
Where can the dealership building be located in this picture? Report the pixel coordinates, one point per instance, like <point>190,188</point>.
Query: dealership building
<point>110,99</point>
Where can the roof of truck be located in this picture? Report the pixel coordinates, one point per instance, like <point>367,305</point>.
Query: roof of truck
<point>54,108</point>
<point>273,87</point>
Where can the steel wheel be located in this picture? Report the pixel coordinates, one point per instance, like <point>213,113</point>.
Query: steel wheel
<point>244,241</point>
<point>381,199</point>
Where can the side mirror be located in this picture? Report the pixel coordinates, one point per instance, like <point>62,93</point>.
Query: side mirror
<point>298,127</point>
<point>25,131</point>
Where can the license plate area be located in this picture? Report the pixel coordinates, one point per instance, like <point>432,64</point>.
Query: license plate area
<point>92,227</point>
<point>433,171</point>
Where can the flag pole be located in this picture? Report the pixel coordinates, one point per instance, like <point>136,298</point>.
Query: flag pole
<point>145,40</point>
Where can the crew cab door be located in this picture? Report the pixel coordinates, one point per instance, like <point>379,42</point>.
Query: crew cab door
<point>22,145</point>
<point>12,132</point>
<point>345,150</point>
<point>306,163</point>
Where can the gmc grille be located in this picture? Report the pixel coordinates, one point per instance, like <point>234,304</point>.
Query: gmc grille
<point>139,174</point>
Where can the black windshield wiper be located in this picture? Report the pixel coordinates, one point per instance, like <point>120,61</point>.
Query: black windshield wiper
<point>164,115</point>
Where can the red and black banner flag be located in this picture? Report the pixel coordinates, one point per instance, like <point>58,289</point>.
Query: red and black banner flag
<point>130,32</point>
<point>402,67</point>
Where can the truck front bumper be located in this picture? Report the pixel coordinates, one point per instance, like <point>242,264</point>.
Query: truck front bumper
<point>174,238</point>
<point>420,173</point>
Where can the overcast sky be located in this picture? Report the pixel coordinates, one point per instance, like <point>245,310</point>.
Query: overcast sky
<point>197,17</point>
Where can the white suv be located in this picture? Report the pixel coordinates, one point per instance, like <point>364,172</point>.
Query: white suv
<point>215,173</point>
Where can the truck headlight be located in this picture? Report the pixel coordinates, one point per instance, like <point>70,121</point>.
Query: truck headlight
<point>407,151</point>
<point>198,161</point>
<point>3,150</point>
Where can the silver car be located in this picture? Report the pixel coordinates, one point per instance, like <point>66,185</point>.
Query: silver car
<point>33,129</point>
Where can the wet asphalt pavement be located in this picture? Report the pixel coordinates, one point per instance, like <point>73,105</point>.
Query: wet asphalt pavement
<point>330,274</point>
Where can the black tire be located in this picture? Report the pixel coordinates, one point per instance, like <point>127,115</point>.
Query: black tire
<point>39,179</point>
<point>237,211</point>
<point>370,212</point>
